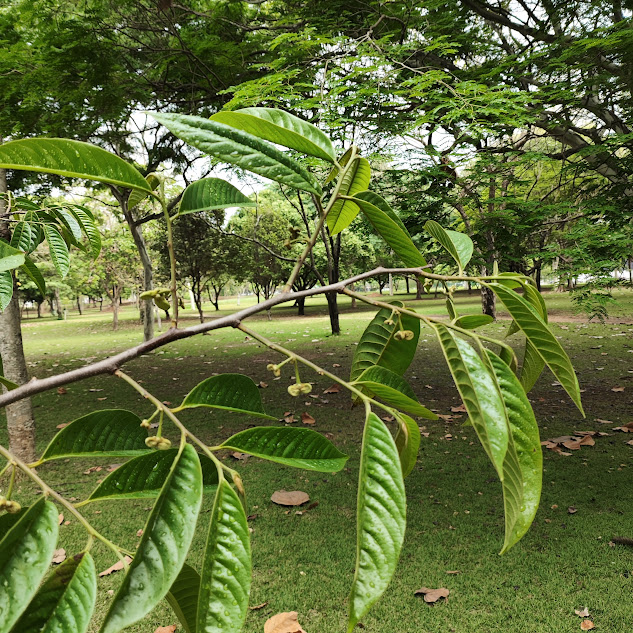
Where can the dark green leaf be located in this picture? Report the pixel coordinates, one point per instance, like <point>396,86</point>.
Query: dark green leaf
<point>34,273</point>
<point>407,442</point>
<point>7,383</point>
<point>6,288</point>
<point>355,179</point>
<point>10,257</point>
<point>24,237</point>
<point>472,321</point>
<point>301,448</point>
<point>58,250</point>
<point>183,596</point>
<point>89,227</point>
<point>164,544</point>
<point>209,194</point>
<point>459,245</point>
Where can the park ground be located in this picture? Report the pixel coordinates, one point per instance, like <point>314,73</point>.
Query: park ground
<point>305,561</point>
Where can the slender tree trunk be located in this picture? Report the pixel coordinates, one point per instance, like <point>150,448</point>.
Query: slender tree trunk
<point>20,421</point>
<point>406,281</point>
<point>58,305</point>
<point>488,297</point>
<point>79,305</point>
<point>332,305</point>
<point>116,295</point>
<point>39,310</point>
<point>301,306</point>
<point>418,288</point>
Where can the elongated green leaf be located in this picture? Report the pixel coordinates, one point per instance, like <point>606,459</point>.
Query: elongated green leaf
<point>342,161</point>
<point>66,601</point>
<point>164,545</point>
<point>10,257</point>
<point>7,383</point>
<point>355,180</point>
<point>110,433</point>
<point>89,227</point>
<point>479,394</point>
<point>209,194</point>
<point>68,220</point>
<point>407,442</point>
<point>183,597</point>
<point>58,250</point>
<point>472,321</point>
<point>523,466</point>
<point>301,448</point>
<point>377,345</point>
<point>459,245</point>
<point>137,196</point>
<point>26,551</point>
<point>34,273</point>
<point>544,342</point>
<point>393,389</point>
<point>381,518</point>
<point>233,392</point>
<point>239,148</point>
<point>74,159</point>
<point>225,580</point>
<point>143,477</point>
<point>281,128</point>
<point>532,367</point>
<point>6,288</point>
<point>389,228</point>
<point>23,238</point>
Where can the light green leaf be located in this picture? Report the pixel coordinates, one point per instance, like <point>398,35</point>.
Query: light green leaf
<point>24,237</point>
<point>209,194</point>
<point>89,227</point>
<point>137,196</point>
<point>544,342</point>
<point>233,392</point>
<point>389,227</point>
<point>10,257</point>
<point>225,580</point>
<point>239,148</point>
<point>459,245</point>
<point>381,518</point>
<point>377,345</point>
<point>183,596</point>
<point>479,394</point>
<point>281,128</point>
<point>392,389</point>
<point>355,179</point>
<point>58,250</point>
<point>523,466</point>
<point>34,273</point>
<point>74,159</point>
<point>110,433</point>
<point>68,220</point>
<point>26,551</point>
<point>472,321</point>
<point>532,367</point>
<point>300,448</point>
<point>407,442</point>
<point>164,544</point>
<point>6,288</point>
<point>143,477</point>
<point>342,161</point>
<point>65,602</point>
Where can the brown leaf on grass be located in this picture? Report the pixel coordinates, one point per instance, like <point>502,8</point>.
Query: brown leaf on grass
<point>60,519</point>
<point>587,440</point>
<point>306,418</point>
<point>289,418</point>
<point>432,595</point>
<point>257,607</point>
<point>572,510</point>
<point>445,417</point>
<point>113,467</point>
<point>118,566</point>
<point>61,390</point>
<point>283,623</point>
<point>333,389</point>
<point>59,556</point>
<point>336,365</point>
<point>262,385</point>
<point>627,428</point>
<point>604,421</point>
<point>630,442</point>
<point>387,418</point>
<point>572,445</point>
<point>587,625</point>
<point>617,390</point>
<point>584,613</point>
<point>62,425</point>
<point>460,409</point>
<point>139,532</point>
<point>290,498</point>
<point>453,571</point>
<point>166,629</point>
<point>241,456</point>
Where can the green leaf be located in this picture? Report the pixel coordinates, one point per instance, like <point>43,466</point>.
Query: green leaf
<point>143,477</point>
<point>225,580</point>
<point>107,433</point>
<point>34,273</point>
<point>24,237</point>
<point>68,220</point>
<point>544,342</point>
<point>7,383</point>
<point>183,596</point>
<point>459,245</point>
<point>389,227</point>
<point>479,394</point>
<point>233,392</point>
<point>6,288</point>
<point>164,544</point>
<point>301,448</point>
<point>26,551</point>
<point>209,194</point>
<point>137,196</point>
<point>393,389</point>
<point>281,128</point>
<point>342,161</point>
<point>532,367</point>
<point>407,442</point>
<point>74,159</point>
<point>473,321</point>
<point>239,148</point>
<point>10,257</point>
<point>523,465</point>
<point>355,179</point>
<point>377,345</point>
<point>89,227</point>
<point>66,601</point>
<point>381,518</point>
<point>58,250</point>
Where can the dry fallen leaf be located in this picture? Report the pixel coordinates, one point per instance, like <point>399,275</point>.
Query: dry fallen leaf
<point>333,389</point>
<point>290,498</point>
<point>61,426</point>
<point>460,409</point>
<point>617,390</point>
<point>113,467</point>
<point>59,556</point>
<point>453,571</point>
<point>118,566</point>
<point>584,613</point>
<point>258,606</point>
<point>432,595</point>
<point>241,456</point>
<point>140,532</point>
<point>306,418</point>
<point>166,629</point>
<point>262,385</point>
<point>60,519</point>
<point>61,391</point>
<point>283,623</point>
<point>587,625</point>
<point>603,421</point>
<point>289,419</point>
<point>572,510</point>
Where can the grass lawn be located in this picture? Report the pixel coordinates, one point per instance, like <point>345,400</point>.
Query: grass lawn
<point>305,562</point>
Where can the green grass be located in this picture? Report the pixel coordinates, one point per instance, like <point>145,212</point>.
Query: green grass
<point>455,511</point>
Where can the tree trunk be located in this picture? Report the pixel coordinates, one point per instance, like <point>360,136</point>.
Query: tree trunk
<point>488,298</point>
<point>418,288</point>
<point>333,310</point>
<point>58,305</point>
<point>406,281</point>
<point>39,309</point>
<point>116,295</point>
<point>301,306</point>
<point>20,422</point>
<point>79,305</point>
